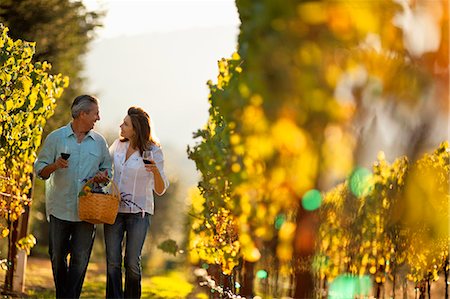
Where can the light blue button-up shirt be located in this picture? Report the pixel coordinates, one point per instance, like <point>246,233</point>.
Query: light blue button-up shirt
<point>86,159</point>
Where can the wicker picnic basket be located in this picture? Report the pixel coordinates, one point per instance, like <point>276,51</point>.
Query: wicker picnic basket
<point>98,207</point>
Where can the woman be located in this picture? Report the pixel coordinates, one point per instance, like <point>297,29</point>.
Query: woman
<point>136,182</point>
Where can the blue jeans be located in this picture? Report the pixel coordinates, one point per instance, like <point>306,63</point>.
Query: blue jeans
<point>76,239</point>
<point>135,227</point>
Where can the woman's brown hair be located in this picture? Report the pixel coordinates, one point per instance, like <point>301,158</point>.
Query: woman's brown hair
<point>141,125</point>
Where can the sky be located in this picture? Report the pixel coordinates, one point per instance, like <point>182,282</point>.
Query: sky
<point>154,31</point>
<point>159,55</point>
<point>132,17</point>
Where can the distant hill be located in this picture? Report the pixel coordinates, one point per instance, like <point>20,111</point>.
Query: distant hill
<point>166,74</point>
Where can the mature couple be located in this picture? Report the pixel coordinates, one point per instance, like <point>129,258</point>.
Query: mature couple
<point>70,238</point>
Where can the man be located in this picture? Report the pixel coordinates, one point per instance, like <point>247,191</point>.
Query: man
<point>88,157</point>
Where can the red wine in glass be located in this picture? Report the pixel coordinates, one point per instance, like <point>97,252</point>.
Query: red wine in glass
<point>65,151</point>
<point>65,156</point>
<point>147,156</point>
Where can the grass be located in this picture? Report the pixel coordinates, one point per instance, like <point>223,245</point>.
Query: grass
<point>174,284</point>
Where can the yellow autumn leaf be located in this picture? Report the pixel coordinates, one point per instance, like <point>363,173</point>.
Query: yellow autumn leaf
<point>363,18</point>
<point>251,254</point>
<point>26,84</point>
<point>312,12</point>
<point>287,231</point>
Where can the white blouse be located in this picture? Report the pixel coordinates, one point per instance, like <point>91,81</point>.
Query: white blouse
<point>135,184</point>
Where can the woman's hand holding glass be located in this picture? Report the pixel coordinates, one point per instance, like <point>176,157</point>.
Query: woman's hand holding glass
<point>149,162</point>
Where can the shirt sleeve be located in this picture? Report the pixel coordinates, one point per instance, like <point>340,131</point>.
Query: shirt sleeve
<point>159,160</point>
<point>46,155</point>
<point>112,149</point>
<point>106,164</point>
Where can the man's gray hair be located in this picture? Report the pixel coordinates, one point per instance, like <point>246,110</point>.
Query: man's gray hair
<point>83,103</point>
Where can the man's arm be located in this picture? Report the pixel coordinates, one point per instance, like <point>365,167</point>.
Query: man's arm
<point>49,169</point>
<point>45,163</point>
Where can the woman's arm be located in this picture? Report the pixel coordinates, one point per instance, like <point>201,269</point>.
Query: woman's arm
<point>159,183</point>
<point>157,168</point>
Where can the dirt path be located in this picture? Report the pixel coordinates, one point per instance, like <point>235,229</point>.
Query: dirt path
<point>39,274</point>
<point>39,283</point>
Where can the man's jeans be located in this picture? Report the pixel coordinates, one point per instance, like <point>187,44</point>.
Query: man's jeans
<point>76,239</point>
<point>135,226</point>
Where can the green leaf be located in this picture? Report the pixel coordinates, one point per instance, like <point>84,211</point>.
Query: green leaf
<point>169,246</point>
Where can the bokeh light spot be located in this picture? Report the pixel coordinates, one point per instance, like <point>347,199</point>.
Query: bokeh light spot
<point>261,274</point>
<point>348,286</point>
<point>279,220</point>
<point>360,181</point>
<point>312,200</point>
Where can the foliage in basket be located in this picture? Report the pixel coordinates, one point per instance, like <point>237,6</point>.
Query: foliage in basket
<point>93,187</point>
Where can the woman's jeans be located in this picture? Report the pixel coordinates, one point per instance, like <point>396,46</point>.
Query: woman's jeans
<point>135,227</point>
<point>76,239</point>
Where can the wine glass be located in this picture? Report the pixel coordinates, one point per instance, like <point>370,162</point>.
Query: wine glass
<point>65,154</point>
<point>147,157</point>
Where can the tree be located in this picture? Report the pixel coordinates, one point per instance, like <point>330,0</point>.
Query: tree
<point>62,30</point>
<point>28,96</point>
<point>392,222</point>
<point>282,127</point>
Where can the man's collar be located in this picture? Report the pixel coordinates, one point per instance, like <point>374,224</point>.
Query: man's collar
<point>69,131</point>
